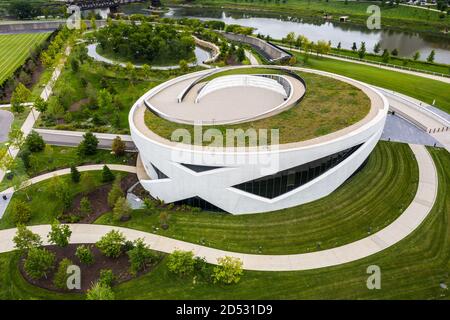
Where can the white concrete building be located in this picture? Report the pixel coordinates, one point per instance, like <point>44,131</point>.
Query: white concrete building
<point>243,180</point>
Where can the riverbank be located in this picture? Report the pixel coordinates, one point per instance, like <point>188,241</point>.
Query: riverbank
<point>400,18</point>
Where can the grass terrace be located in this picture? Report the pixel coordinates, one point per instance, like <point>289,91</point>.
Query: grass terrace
<point>328,105</point>
<point>367,202</point>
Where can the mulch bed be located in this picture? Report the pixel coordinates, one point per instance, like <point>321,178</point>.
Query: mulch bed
<point>77,105</point>
<point>89,274</point>
<point>98,199</point>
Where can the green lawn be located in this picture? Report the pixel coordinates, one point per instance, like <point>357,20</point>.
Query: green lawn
<point>370,200</point>
<point>328,105</point>
<point>53,158</point>
<point>396,17</point>
<point>417,87</point>
<point>14,50</point>
<point>411,269</point>
<point>45,207</point>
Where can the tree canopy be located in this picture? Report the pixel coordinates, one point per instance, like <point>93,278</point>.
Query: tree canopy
<point>145,42</point>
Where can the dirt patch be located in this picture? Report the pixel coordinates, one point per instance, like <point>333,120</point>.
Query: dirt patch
<point>77,105</point>
<point>89,273</point>
<point>99,201</point>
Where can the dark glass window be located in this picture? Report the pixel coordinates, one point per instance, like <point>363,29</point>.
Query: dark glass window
<point>160,174</point>
<point>199,203</point>
<point>284,181</point>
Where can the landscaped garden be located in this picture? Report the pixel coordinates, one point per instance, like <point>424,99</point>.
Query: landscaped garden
<point>415,268</point>
<point>328,105</point>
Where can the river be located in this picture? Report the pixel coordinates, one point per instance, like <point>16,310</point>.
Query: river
<point>277,26</point>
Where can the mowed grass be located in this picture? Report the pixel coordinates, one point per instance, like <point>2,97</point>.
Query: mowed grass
<point>14,50</point>
<point>367,202</point>
<point>411,269</point>
<point>417,87</point>
<point>328,106</point>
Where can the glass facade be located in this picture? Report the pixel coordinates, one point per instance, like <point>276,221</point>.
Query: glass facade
<point>284,181</point>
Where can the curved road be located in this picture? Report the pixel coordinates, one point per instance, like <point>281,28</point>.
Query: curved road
<point>410,219</point>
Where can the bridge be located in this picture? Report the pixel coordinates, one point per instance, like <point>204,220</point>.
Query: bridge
<point>96,4</point>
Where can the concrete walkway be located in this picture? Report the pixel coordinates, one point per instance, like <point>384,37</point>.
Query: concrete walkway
<point>95,167</point>
<point>411,218</point>
<point>34,114</point>
<point>415,73</point>
<point>6,119</point>
<point>251,57</point>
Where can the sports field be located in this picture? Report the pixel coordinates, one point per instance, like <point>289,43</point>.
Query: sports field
<point>14,50</point>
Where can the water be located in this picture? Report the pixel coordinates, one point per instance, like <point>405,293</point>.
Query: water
<point>279,26</point>
<point>201,54</point>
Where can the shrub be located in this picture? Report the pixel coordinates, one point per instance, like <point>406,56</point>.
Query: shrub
<point>21,212</point>
<point>181,262</point>
<point>100,292</point>
<point>85,206</point>
<point>107,277</point>
<point>75,175</point>
<point>202,268</point>
<point>164,220</point>
<point>118,146</point>
<point>61,275</point>
<point>89,144</point>
<point>107,175</point>
<point>140,257</point>
<point>35,142</point>
<point>38,263</point>
<point>84,254</point>
<point>25,239</point>
<point>111,244</point>
<point>114,194</point>
<point>59,234</point>
<point>121,209</point>
<point>228,271</point>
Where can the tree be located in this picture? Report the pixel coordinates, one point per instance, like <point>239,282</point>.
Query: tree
<point>22,9</point>
<point>25,239</point>
<point>107,175</point>
<point>115,193</point>
<point>34,142</point>
<point>6,161</point>
<point>21,182</point>
<point>84,254</point>
<point>105,101</point>
<point>100,291</point>
<point>229,270</point>
<point>61,190</point>
<point>377,47</point>
<point>40,104</point>
<point>75,175</point>
<point>181,263</point>
<point>184,67</point>
<point>385,56</point>
<point>430,58</point>
<point>89,144</point>
<point>20,95</point>
<point>339,46</point>
<point>118,146</point>
<point>140,257</point>
<point>354,47</point>
<point>290,39</point>
<point>121,209</point>
<point>59,234</point>
<point>111,244</point>
<point>93,23</point>
<point>21,212</point>
<point>416,56</point>
<point>240,54</point>
<point>61,275</point>
<point>362,50</point>
<point>38,263</point>
<point>85,206</point>
<point>394,52</point>
<point>16,138</point>
<point>75,64</point>
<point>146,69</point>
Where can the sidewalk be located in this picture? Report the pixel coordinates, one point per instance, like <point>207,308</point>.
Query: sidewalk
<point>410,219</point>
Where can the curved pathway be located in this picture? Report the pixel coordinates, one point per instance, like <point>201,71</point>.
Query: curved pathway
<point>6,119</point>
<point>95,167</point>
<point>411,218</point>
<point>92,52</point>
<point>415,73</point>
